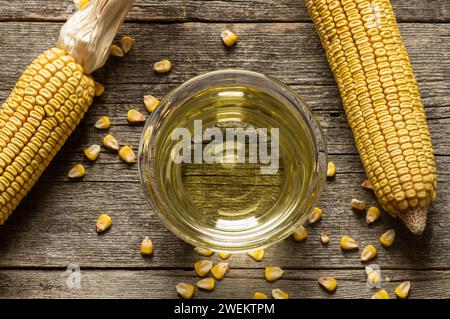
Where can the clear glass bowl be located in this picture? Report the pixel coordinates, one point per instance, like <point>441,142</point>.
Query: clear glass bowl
<point>233,207</point>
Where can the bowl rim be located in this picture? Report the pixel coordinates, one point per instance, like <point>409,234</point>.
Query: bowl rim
<point>150,187</point>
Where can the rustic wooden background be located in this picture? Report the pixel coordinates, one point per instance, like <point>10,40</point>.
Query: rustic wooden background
<point>54,226</point>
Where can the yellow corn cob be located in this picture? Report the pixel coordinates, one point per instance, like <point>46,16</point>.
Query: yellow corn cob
<point>45,106</point>
<point>381,99</point>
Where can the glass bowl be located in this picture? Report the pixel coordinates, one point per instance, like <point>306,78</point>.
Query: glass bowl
<point>225,192</point>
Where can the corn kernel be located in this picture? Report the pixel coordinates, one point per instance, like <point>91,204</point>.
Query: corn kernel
<point>126,43</point>
<point>203,251</point>
<point>77,171</point>
<point>110,142</point>
<point>146,247</point>
<point>229,38</point>
<point>92,152</point>
<point>80,4</point>
<point>206,284</point>
<point>331,169</point>
<point>162,66</point>
<point>279,294</point>
<point>224,255</point>
<point>186,291</point>
<point>134,116</point>
<point>104,221</point>
<point>99,89</point>
<point>358,204</point>
<point>103,123</point>
<point>257,255</point>
<point>382,294</point>
<point>369,252</point>
<point>127,155</point>
<point>387,239</point>
<point>273,273</point>
<point>116,51</point>
<point>203,267</point>
<point>373,276</point>
<point>329,283</point>
<point>300,234</point>
<point>348,243</point>
<point>324,239</point>
<point>373,214</point>
<point>260,295</point>
<point>367,185</point>
<point>402,290</point>
<point>150,102</point>
<point>315,215</point>
<point>219,270</point>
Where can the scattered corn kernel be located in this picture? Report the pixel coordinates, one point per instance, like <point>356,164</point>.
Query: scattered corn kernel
<point>260,295</point>
<point>203,267</point>
<point>103,123</point>
<point>300,234</point>
<point>126,43</point>
<point>99,89</point>
<point>324,238</point>
<point>110,142</point>
<point>150,102</point>
<point>162,66</point>
<point>402,290</point>
<point>116,51</point>
<point>203,251</point>
<point>104,221</point>
<point>77,171</point>
<point>331,169</point>
<point>219,270</point>
<point>329,283</point>
<point>186,291</point>
<point>273,273</point>
<point>279,294</point>
<point>146,246</point>
<point>367,185</point>
<point>92,152</point>
<point>126,154</point>
<point>80,4</point>
<point>224,255</point>
<point>348,243</point>
<point>382,294</point>
<point>387,239</point>
<point>134,116</point>
<point>229,38</point>
<point>373,214</point>
<point>358,204</point>
<point>369,252</point>
<point>315,215</point>
<point>206,284</point>
<point>257,255</point>
<point>373,276</point>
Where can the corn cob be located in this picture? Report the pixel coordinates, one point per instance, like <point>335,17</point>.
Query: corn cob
<point>45,106</point>
<point>50,99</point>
<point>381,99</point>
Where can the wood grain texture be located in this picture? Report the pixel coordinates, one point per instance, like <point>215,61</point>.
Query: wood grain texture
<point>237,283</point>
<point>54,226</point>
<point>214,10</point>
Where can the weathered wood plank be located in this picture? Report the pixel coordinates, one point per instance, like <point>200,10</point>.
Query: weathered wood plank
<point>216,10</point>
<point>289,51</point>
<point>238,283</point>
<point>55,225</point>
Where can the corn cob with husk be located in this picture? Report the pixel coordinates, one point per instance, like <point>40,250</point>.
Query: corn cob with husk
<point>51,97</point>
<point>381,99</point>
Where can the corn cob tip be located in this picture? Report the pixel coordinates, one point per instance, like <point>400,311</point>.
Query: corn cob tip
<point>415,219</point>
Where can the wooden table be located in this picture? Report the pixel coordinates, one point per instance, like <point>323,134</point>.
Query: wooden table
<point>54,226</point>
